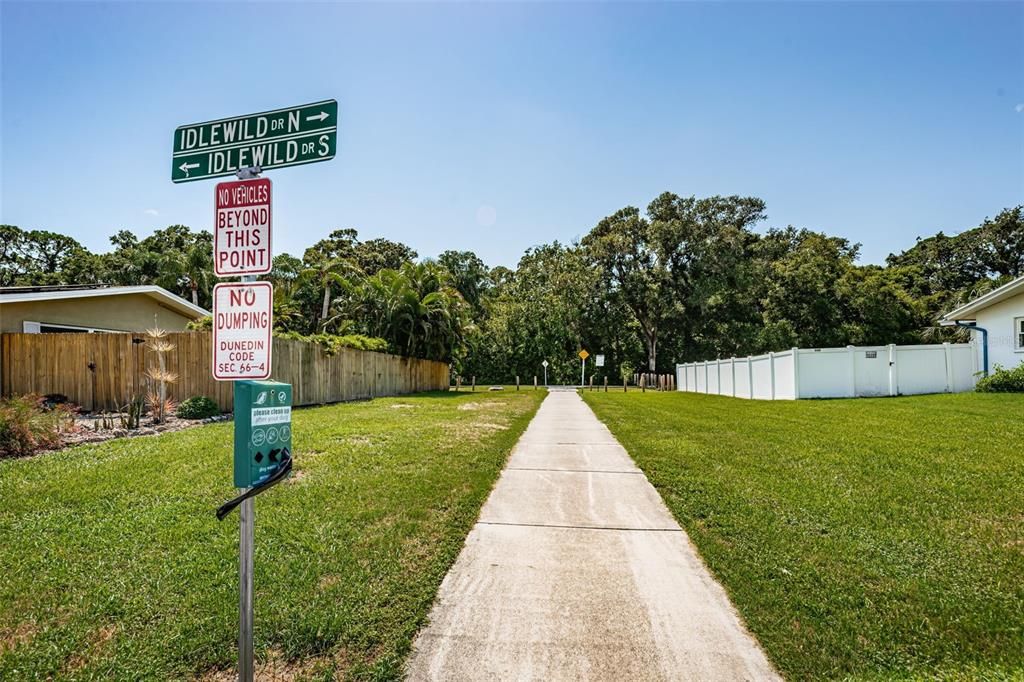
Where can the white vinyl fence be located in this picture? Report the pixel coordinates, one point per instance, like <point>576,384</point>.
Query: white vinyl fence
<point>851,372</point>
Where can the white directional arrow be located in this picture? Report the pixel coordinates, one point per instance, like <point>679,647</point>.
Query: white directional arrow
<point>318,117</point>
<point>186,167</point>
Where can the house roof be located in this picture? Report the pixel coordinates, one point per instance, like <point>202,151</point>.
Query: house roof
<point>969,310</point>
<point>164,297</point>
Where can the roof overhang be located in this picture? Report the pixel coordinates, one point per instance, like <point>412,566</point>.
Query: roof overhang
<point>969,311</point>
<point>164,297</point>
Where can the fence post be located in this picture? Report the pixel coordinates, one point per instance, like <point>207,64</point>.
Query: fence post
<point>474,385</point>
<point>458,384</point>
<point>851,353</point>
<point>948,350</point>
<point>732,371</point>
<point>750,377</point>
<point>535,382</point>
<point>517,382</point>
<point>796,372</point>
<point>892,369</point>
<point>771,366</point>
<point>643,385</point>
<point>606,383</point>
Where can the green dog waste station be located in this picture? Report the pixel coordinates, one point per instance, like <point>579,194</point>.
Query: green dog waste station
<point>263,430</point>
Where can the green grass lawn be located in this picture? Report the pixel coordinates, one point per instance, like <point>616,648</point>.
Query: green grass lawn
<point>858,538</point>
<point>112,564</point>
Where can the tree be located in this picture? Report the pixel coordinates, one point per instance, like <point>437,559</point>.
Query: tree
<point>382,254</point>
<point>469,276</point>
<point>1004,243</point>
<point>416,310</point>
<point>325,273</point>
<point>680,258</point>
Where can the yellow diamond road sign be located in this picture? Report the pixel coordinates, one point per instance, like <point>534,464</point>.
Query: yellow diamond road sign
<point>584,355</point>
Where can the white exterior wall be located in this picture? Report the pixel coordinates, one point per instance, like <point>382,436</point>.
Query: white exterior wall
<point>838,372</point>
<point>998,320</point>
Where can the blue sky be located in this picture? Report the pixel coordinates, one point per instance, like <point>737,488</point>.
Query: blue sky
<point>494,127</point>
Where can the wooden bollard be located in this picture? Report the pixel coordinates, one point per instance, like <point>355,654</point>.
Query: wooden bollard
<point>458,383</point>
<point>474,385</point>
<point>517,382</point>
<point>643,384</point>
<point>535,382</point>
<point>606,384</point>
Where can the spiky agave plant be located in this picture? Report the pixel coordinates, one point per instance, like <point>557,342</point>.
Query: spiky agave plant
<point>156,398</point>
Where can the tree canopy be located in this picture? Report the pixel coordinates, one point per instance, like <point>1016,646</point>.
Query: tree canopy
<point>686,279</point>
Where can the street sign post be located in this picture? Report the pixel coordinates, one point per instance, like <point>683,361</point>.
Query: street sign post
<point>599,360</point>
<point>292,136</point>
<point>545,365</point>
<point>241,228</point>
<point>243,312</point>
<point>583,366</point>
<point>242,324</point>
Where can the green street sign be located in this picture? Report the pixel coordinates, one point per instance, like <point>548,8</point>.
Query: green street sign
<point>263,430</point>
<point>294,136</point>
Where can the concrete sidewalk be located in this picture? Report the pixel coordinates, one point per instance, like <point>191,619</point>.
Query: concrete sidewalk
<point>576,570</point>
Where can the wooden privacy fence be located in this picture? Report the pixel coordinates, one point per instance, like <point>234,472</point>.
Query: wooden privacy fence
<point>103,371</point>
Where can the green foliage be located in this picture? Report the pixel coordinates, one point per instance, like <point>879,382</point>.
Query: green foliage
<point>26,426</point>
<point>332,343</point>
<point>686,279</point>
<point>197,407</point>
<point>203,324</point>
<point>1002,380</point>
<point>416,310</point>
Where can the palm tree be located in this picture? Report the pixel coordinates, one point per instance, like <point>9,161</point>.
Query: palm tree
<point>325,274</point>
<point>416,310</point>
<point>193,268</point>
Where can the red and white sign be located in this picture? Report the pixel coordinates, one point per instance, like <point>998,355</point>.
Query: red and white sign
<point>242,324</point>
<point>241,228</point>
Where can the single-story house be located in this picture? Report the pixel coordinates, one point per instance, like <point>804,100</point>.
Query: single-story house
<point>998,320</point>
<point>93,308</point>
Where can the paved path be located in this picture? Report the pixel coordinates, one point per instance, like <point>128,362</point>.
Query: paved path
<point>577,571</point>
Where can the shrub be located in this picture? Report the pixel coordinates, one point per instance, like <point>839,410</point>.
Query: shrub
<point>332,343</point>
<point>1003,380</point>
<point>198,407</point>
<point>26,426</point>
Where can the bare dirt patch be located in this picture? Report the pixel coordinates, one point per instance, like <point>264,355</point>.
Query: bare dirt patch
<point>97,642</point>
<point>489,405</point>
<point>275,668</point>
<point>20,634</point>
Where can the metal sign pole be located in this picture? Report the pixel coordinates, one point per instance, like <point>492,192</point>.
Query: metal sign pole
<point>246,527</point>
<point>247,519</point>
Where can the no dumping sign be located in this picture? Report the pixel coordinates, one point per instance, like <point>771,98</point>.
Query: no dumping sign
<point>242,324</point>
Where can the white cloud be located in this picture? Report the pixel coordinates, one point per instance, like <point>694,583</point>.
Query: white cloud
<point>1020,108</point>
<point>151,211</point>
